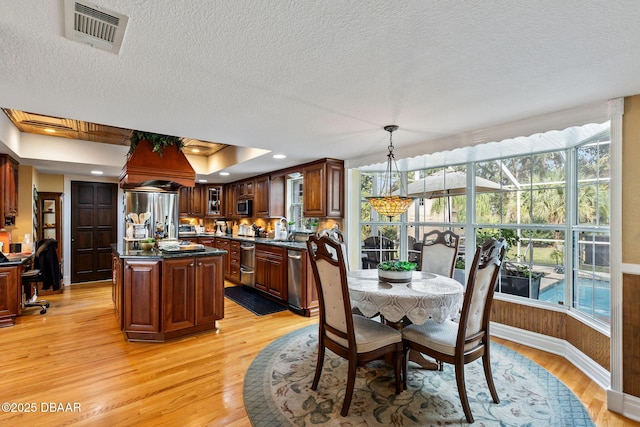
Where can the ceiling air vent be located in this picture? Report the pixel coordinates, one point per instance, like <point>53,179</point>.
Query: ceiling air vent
<point>98,27</point>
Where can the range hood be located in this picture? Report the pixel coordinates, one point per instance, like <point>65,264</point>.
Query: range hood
<point>166,172</point>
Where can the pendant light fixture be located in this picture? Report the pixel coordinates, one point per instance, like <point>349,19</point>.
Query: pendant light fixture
<point>387,203</point>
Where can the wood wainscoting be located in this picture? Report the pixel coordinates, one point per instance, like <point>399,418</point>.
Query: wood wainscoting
<point>556,324</point>
<point>631,334</point>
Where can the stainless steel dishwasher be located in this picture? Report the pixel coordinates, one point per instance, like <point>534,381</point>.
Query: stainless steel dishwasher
<point>247,263</point>
<point>294,279</point>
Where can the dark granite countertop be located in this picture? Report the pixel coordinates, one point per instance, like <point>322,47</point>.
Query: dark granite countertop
<point>14,259</point>
<point>122,252</point>
<point>263,240</point>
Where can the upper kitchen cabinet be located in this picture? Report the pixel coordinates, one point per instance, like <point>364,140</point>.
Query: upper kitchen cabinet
<point>230,198</point>
<point>9,189</point>
<point>261,197</point>
<point>213,200</point>
<point>268,199</point>
<point>191,201</point>
<point>245,189</point>
<point>323,189</point>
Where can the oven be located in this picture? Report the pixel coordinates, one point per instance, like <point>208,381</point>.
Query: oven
<point>247,263</point>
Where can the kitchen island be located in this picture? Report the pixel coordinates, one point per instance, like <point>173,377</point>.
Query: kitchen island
<point>163,295</point>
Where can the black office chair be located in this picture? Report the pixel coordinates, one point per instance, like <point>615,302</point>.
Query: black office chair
<point>46,270</point>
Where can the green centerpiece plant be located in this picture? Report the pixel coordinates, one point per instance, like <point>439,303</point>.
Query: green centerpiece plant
<point>396,271</point>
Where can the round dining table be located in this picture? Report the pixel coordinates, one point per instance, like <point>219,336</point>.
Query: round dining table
<point>426,296</point>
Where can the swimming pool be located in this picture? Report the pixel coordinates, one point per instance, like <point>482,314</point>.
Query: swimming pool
<point>592,296</point>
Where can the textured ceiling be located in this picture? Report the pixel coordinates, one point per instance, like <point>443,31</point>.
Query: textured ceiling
<point>315,79</point>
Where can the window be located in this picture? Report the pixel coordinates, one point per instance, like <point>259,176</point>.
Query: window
<point>551,206</point>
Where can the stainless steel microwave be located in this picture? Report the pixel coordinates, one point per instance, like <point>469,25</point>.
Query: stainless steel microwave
<point>244,207</point>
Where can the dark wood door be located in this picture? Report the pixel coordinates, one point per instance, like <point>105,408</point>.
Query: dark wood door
<point>94,225</point>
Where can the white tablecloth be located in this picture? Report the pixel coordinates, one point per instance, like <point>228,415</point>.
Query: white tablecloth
<point>427,296</point>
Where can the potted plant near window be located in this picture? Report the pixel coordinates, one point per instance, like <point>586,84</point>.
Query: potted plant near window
<point>396,271</point>
<point>514,277</point>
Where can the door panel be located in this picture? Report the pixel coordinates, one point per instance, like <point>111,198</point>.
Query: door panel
<point>94,224</point>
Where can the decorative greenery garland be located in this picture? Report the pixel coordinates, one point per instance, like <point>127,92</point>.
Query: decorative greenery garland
<point>158,141</point>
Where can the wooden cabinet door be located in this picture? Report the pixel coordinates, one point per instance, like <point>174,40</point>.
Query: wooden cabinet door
<point>9,293</point>
<point>324,189</point>
<point>261,271</point>
<point>245,189</point>
<point>178,293</point>
<point>261,197</point>
<point>334,189</point>
<point>9,188</point>
<point>198,201</point>
<point>184,201</point>
<point>142,295</point>
<point>191,201</point>
<point>314,198</point>
<point>209,289</point>
<point>277,278</point>
<point>225,244</point>
<point>270,271</point>
<point>230,198</point>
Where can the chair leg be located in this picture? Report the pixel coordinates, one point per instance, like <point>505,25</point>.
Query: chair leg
<point>319,364</point>
<point>351,382</point>
<point>462,391</point>
<point>398,357</point>
<point>486,362</point>
<point>405,363</point>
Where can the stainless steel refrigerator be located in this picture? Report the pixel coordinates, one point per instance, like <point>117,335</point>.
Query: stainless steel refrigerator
<point>151,214</point>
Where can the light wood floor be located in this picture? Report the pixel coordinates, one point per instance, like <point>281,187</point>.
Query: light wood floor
<point>75,354</point>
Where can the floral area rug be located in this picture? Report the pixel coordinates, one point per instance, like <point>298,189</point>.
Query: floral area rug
<point>277,391</point>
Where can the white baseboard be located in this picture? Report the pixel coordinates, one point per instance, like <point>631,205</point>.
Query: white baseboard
<point>595,372</point>
<point>624,404</point>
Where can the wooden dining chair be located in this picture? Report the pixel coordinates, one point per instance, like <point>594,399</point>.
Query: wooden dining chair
<point>461,342</point>
<point>355,338</point>
<point>336,234</point>
<point>439,252</point>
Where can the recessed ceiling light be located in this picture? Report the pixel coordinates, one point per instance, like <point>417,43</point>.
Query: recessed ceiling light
<point>96,172</point>
<point>195,150</point>
<point>224,173</point>
<point>50,130</point>
<point>202,180</point>
<point>279,156</point>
